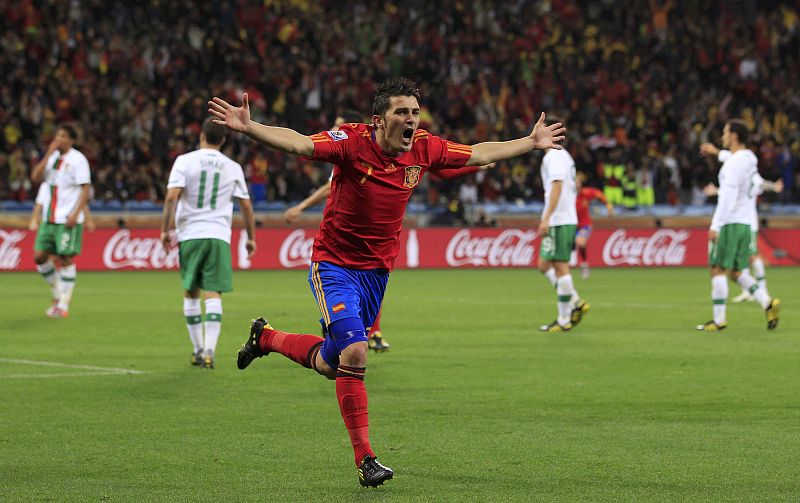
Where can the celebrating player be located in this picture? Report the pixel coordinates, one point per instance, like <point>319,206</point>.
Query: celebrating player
<point>557,228</point>
<point>730,232</point>
<point>585,196</point>
<point>203,185</point>
<point>376,168</point>
<point>66,172</point>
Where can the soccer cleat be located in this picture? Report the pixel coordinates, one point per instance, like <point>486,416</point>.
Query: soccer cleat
<point>711,326</point>
<point>208,359</point>
<point>580,309</point>
<point>373,474</point>
<point>744,297</point>
<point>196,358</point>
<point>376,342</point>
<point>773,310</point>
<point>55,312</point>
<point>555,327</point>
<point>52,309</point>
<point>250,349</point>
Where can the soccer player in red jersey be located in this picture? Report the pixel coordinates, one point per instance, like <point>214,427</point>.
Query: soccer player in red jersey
<point>376,168</point>
<point>585,196</point>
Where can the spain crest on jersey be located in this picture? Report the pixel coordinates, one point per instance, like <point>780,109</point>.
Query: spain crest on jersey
<point>411,179</point>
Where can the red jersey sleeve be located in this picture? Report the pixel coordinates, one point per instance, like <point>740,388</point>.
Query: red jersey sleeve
<point>336,146</point>
<point>594,193</point>
<point>447,154</point>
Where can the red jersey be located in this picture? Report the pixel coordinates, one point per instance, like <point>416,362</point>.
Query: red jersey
<point>370,189</point>
<point>586,196</point>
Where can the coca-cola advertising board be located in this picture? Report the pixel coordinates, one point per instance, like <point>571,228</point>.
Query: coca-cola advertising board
<point>140,249</point>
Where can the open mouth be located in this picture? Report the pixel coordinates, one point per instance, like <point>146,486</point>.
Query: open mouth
<point>407,135</point>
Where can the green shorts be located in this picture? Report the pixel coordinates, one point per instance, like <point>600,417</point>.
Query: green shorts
<point>557,245</point>
<point>731,250</point>
<point>206,265</point>
<point>58,239</point>
<point>753,243</point>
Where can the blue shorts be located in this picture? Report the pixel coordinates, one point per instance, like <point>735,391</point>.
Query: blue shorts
<point>584,232</point>
<point>346,293</point>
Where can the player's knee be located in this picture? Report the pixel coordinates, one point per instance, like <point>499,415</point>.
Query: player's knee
<point>40,258</point>
<point>544,265</point>
<point>355,355</point>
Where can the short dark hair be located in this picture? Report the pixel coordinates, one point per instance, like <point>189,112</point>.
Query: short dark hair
<point>351,116</point>
<point>395,86</point>
<point>740,129</point>
<point>215,133</point>
<point>71,131</point>
<point>549,120</point>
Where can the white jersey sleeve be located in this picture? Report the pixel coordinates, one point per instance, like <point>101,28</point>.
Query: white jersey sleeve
<point>240,185</point>
<point>177,176</point>
<point>43,194</point>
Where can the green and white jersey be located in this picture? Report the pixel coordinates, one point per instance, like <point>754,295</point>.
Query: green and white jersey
<point>65,175</point>
<point>738,188</point>
<point>210,181</point>
<point>559,165</point>
<point>758,183</point>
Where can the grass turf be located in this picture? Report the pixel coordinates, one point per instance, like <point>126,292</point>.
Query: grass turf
<point>471,404</point>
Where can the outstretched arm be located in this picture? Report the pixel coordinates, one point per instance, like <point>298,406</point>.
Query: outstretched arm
<point>541,138</point>
<point>238,119</point>
<point>317,197</point>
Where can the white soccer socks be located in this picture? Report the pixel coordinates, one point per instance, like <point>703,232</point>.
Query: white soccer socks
<point>194,317</point>
<point>565,291</point>
<point>213,323</point>
<point>66,282</point>
<point>749,284</point>
<point>49,273</point>
<point>719,294</point>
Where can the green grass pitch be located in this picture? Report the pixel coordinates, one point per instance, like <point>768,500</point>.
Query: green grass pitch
<point>472,403</point>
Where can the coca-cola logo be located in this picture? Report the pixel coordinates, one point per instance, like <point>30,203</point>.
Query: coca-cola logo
<point>296,249</point>
<point>512,247</point>
<point>10,253</point>
<point>142,253</point>
<point>663,247</point>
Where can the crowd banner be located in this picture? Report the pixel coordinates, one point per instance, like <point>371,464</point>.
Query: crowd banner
<point>141,249</point>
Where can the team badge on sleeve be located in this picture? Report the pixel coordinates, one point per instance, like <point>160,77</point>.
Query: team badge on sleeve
<point>337,135</point>
<point>338,307</point>
<point>412,176</point>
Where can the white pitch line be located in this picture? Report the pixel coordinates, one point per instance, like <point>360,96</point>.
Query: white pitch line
<point>75,374</point>
<point>100,370</point>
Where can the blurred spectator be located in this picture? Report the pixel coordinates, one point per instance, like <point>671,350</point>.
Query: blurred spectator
<point>622,74</point>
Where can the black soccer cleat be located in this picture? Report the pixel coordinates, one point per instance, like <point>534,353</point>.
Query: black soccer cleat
<point>377,343</point>
<point>773,312</point>
<point>580,309</point>
<point>197,358</point>
<point>250,350</point>
<point>208,360</point>
<point>373,474</point>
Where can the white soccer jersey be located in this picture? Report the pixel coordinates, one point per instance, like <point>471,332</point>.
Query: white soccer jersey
<point>65,175</point>
<point>210,181</point>
<point>559,165</point>
<point>738,189</point>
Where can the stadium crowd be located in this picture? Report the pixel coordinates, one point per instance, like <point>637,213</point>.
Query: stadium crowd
<point>639,85</point>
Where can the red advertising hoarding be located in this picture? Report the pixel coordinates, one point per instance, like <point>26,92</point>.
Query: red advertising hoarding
<point>140,249</point>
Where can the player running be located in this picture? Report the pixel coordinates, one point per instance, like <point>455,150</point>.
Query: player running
<point>585,196</point>
<point>730,232</point>
<point>203,185</point>
<point>377,166</point>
